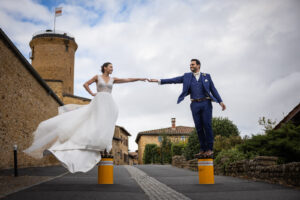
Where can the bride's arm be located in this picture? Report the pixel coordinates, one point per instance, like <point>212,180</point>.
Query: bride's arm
<point>127,80</point>
<point>89,82</point>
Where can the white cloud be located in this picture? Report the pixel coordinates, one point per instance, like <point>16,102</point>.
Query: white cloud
<point>249,47</point>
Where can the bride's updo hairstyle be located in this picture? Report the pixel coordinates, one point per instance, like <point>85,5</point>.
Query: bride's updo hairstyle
<point>104,65</point>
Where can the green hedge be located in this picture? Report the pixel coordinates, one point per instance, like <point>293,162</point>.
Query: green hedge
<point>283,143</point>
<point>178,148</point>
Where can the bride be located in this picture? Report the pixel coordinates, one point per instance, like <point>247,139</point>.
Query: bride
<point>78,134</point>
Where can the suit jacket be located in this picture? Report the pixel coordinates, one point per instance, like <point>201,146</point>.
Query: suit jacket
<point>186,80</point>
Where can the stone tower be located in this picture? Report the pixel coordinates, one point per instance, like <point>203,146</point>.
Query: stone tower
<point>53,58</point>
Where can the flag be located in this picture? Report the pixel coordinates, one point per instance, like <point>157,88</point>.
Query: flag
<point>58,11</point>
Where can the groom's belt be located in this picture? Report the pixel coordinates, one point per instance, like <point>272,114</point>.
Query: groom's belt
<point>201,99</point>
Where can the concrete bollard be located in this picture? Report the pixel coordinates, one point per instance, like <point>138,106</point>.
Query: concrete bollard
<point>106,171</point>
<point>206,171</point>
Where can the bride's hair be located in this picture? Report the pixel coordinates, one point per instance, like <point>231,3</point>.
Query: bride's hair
<point>104,65</point>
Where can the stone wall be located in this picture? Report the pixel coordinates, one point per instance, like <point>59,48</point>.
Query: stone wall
<point>24,103</point>
<point>260,168</point>
<point>263,168</point>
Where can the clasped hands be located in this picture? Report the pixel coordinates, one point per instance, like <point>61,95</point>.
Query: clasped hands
<point>149,80</point>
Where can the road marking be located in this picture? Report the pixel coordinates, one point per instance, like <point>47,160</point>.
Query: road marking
<point>152,187</point>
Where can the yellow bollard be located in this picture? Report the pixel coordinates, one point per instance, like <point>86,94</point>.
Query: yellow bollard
<point>206,171</point>
<point>106,171</point>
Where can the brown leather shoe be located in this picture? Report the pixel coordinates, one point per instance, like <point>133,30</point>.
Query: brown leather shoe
<point>200,154</point>
<point>209,153</point>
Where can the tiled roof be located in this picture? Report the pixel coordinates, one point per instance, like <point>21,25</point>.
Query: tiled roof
<point>121,127</point>
<point>294,116</point>
<point>179,130</point>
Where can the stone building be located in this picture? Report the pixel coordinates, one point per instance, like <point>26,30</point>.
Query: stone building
<point>120,146</point>
<point>133,158</point>
<point>30,94</point>
<point>174,133</point>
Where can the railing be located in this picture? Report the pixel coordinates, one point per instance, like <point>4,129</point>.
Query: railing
<point>49,32</point>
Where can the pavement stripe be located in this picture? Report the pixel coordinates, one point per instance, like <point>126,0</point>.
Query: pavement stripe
<point>152,187</point>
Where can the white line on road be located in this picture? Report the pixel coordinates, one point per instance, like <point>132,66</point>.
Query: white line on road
<point>152,187</point>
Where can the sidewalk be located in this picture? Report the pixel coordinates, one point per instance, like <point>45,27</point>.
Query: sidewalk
<point>80,186</point>
<point>132,183</point>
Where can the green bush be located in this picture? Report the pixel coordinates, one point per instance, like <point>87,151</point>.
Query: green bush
<point>150,153</point>
<point>283,143</point>
<point>228,156</point>
<point>178,148</point>
<point>166,152</point>
<point>225,143</point>
<point>192,147</point>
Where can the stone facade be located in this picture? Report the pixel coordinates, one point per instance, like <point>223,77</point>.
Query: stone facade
<point>53,58</point>
<point>262,168</point>
<point>120,146</point>
<point>24,103</point>
<point>133,158</point>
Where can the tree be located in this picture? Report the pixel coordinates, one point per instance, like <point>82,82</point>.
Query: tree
<point>149,153</point>
<point>193,146</point>
<point>268,124</point>
<point>224,127</point>
<point>165,147</point>
<point>178,148</point>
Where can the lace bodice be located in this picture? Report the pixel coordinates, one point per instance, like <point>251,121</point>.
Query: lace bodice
<point>102,86</point>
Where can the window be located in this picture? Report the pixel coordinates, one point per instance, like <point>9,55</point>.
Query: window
<point>159,138</point>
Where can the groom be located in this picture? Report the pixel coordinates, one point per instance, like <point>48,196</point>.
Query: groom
<point>202,92</point>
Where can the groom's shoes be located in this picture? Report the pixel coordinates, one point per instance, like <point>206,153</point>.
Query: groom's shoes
<point>209,154</point>
<point>200,154</point>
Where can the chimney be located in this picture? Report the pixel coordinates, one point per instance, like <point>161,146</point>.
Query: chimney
<point>173,123</point>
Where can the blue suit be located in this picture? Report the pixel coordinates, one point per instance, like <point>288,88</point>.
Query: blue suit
<point>202,111</point>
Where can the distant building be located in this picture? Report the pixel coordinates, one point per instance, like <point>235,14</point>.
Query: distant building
<point>133,158</point>
<point>120,146</point>
<point>293,116</point>
<point>174,133</point>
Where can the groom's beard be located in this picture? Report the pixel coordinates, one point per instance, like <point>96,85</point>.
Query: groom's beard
<point>194,70</point>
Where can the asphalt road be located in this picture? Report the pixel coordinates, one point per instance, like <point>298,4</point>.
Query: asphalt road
<point>84,186</point>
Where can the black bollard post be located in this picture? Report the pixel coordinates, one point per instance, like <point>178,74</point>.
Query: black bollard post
<point>15,160</point>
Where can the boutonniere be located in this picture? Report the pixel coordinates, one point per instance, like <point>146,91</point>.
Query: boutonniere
<point>204,74</point>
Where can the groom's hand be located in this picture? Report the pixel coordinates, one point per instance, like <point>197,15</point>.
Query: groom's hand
<point>153,80</point>
<point>223,106</point>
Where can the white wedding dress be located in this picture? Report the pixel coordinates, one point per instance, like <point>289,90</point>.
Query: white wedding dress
<point>78,134</point>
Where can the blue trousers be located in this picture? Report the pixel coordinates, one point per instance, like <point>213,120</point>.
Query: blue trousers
<point>202,115</point>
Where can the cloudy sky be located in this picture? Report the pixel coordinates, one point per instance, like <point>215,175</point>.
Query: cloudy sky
<point>250,48</point>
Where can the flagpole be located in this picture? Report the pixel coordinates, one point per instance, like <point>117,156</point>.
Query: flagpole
<point>54,21</point>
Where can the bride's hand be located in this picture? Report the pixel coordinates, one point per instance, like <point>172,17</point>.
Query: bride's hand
<point>143,79</point>
<point>93,94</point>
